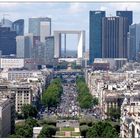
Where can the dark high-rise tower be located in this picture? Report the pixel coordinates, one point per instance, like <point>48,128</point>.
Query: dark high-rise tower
<point>18,26</point>
<point>134,42</point>
<point>95,35</point>
<point>127,14</point>
<point>114,37</point>
<point>7,41</point>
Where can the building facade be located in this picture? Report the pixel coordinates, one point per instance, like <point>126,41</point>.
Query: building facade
<point>18,26</point>
<point>24,46</point>
<point>37,28</point>
<point>95,35</point>
<point>134,42</point>
<point>11,63</point>
<point>7,41</point>
<point>6,23</point>
<point>130,118</point>
<point>23,96</point>
<point>114,37</point>
<point>5,117</point>
<point>20,43</point>
<point>49,50</point>
<point>45,30</point>
<point>128,15</point>
<point>28,45</point>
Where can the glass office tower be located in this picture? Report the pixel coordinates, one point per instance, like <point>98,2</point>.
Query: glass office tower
<point>114,37</point>
<point>18,26</point>
<point>95,35</point>
<point>7,41</point>
<point>128,15</point>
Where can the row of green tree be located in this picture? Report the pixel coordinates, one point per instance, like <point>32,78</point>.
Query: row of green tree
<point>85,99</point>
<point>62,65</point>
<point>48,131</point>
<point>101,129</point>
<point>25,130</point>
<point>27,111</point>
<point>52,95</point>
<point>75,66</point>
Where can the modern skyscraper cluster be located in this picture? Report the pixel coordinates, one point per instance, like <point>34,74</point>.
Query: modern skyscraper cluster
<point>108,35</point>
<point>38,44</point>
<point>8,32</point>
<point>17,25</point>
<point>40,28</point>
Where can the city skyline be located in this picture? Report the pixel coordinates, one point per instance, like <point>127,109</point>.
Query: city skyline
<point>70,19</point>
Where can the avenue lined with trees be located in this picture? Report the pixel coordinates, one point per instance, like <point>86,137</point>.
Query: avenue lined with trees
<point>52,98</point>
<point>52,95</point>
<point>86,100</point>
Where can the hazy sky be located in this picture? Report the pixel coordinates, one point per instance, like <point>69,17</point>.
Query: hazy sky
<point>68,16</point>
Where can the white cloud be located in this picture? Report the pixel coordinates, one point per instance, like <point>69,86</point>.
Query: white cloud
<point>8,5</point>
<point>77,7</point>
<point>123,6</point>
<point>103,8</point>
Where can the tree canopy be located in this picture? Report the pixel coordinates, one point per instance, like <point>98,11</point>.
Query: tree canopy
<point>28,110</point>
<point>102,130</point>
<point>47,131</point>
<point>25,130</point>
<point>51,96</point>
<point>86,100</point>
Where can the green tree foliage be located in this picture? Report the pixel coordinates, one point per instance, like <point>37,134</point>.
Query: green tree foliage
<point>31,122</point>
<point>75,66</point>
<point>28,110</point>
<point>26,130</point>
<point>114,113</point>
<point>86,100</point>
<point>102,130</point>
<point>62,65</point>
<point>95,101</point>
<point>51,96</point>
<point>83,130</point>
<point>47,131</point>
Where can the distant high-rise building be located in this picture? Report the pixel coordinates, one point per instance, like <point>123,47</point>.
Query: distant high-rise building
<point>49,50</point>
<point>44,30</point>
<point>36,27</point>
<point>114,37</point>
<point>20,46</point>
<point>127,14</point>
<point>6,23</point>
<point>5,117</point>
<point>134,42</point>
<point>95,35</point>
<point>24,46</point>
<point>18,26</point>
<point>43,54</point>
<point>7,41</point>
<point>28,45</point>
